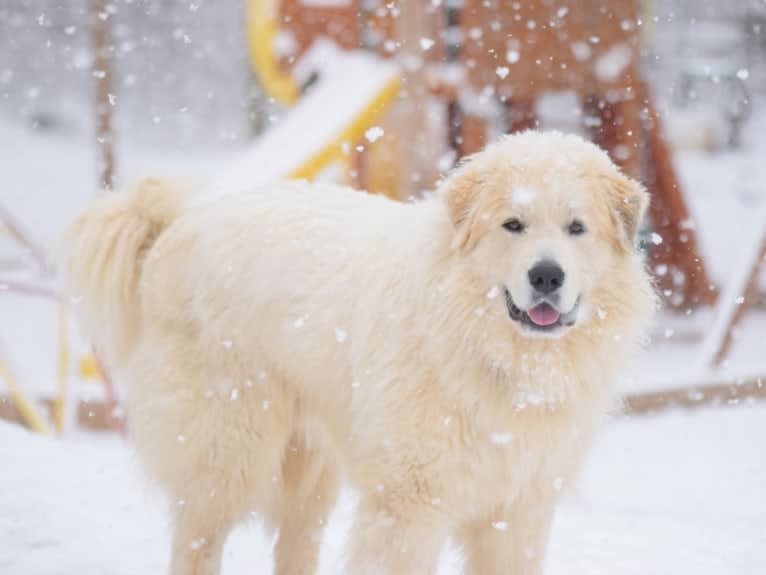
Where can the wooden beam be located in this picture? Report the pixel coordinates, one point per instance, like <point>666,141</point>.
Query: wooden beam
<point>104,98</point>
<point>22,237</point>
<point>90,415</point>
<point>684,279</point>
<point>695,396</point>
<point>739,295</point>
<point>101,416</point>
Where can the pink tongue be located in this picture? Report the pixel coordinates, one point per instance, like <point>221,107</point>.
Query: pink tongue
<point>543,314</point>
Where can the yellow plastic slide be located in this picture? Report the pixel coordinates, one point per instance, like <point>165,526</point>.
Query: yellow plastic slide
<point>351,91</point>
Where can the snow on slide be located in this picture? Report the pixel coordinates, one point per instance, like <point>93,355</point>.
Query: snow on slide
<point>348,82</point>
<point>675,493</point>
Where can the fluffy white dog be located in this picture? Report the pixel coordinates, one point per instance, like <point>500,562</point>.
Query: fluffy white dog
<point>449,358</point>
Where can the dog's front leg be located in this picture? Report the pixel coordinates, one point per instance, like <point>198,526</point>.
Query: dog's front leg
<point>511,540</point>
<point>395,539</point>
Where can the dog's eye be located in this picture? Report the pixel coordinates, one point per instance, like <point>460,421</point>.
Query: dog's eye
<point>514,225</point>
<point>576,228</point>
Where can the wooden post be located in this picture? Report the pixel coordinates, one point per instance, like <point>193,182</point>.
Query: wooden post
<point>737,296</point>
<point>104,98</point>
<point>520,115</point>
<point>742,303</point>
<point>678,253</point>
<point>416,147</point>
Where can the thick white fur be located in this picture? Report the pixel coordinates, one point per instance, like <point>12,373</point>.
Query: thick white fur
<point>274,341</point>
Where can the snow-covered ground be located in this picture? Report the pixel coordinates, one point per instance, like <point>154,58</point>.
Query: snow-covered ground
<point>676,493</point>
<point>673,493</point>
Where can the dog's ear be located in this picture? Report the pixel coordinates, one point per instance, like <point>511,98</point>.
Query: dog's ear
<point>629,201</point>
<point>460,194</point>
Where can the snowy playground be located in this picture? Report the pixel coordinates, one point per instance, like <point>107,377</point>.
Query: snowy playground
<point>674,482</point>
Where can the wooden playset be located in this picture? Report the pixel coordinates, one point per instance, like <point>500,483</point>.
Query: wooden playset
<point>480,66</point>
<point>439,80</point>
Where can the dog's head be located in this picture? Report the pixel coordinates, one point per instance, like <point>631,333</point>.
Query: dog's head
<point>546,220</point>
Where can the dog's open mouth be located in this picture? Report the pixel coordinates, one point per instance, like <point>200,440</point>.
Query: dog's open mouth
<point>543,316</point>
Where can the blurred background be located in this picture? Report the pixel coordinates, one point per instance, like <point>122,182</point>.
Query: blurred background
<point>388,96</point>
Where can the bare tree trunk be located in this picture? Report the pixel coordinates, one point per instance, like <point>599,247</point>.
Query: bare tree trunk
<point>102,72</point>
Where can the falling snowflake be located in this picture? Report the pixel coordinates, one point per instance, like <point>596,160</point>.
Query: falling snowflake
<point>340,335</point>
<point>501,438</point>
<point>197,543</point>
<point>613,62</point>
<point>627,25</point>
<point>580,50</point>
<point>426,43</point>
<point>500,525</point>
<point>535,398</point>
<point>502,72</point>
<point>523,195</point>
<point>475,33</point>
<point>373,133</point>
<point>512,56</point>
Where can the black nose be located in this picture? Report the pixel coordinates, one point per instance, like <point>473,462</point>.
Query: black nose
<point>546,277</point>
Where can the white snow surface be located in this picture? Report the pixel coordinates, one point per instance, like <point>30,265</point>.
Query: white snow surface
<point>677,493</point>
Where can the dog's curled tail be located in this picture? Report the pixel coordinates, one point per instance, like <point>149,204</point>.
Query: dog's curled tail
<point>104,252</point>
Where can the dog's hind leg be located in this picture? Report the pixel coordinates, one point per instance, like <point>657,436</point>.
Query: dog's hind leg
<point>310,489</point>
<point>220,490</point>
<point>227,473</point>
<point>218,493</point>
<point>204,432</point>
<point>198,537</point>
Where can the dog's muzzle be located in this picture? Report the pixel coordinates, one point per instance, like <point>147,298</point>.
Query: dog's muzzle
<point>544,316</point>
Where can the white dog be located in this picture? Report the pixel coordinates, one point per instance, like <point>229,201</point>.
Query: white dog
<point>449,358</point>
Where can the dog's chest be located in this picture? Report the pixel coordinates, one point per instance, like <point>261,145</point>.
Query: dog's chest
<point>496,464</point>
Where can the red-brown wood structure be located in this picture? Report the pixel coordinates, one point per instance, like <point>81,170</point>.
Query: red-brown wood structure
<point>515,52</point>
